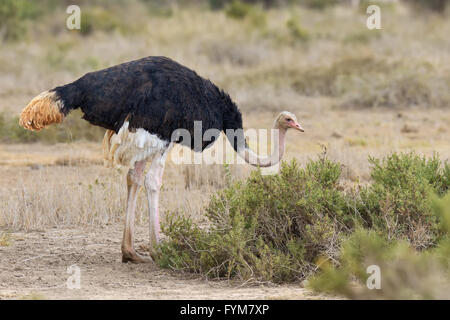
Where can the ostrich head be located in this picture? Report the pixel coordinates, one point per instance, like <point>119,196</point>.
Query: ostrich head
<point>287,120</point>
<point>284,121</point>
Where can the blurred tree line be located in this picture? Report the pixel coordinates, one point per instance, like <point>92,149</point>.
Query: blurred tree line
<point>433,5</point>
<point>15,15</point>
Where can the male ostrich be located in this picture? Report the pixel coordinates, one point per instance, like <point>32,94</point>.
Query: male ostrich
<point>141,103</point>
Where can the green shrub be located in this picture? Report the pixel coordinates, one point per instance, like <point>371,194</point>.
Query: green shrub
<point>98,19</point>
<point>268,228</point>
<point>238,9</point>
<point>14,15</point>
<point>241,10</point>
<point>296,30</point>
<point>275,228</point>
<point>396,170</point>
<point>405,273</point>
<point>398,201</point>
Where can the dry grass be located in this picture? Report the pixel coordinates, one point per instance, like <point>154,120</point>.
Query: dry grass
<point>36,198</point>
<point>264,68</point>
<point>5,239</point>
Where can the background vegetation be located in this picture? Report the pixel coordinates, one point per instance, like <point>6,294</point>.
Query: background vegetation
<point>310,48</point>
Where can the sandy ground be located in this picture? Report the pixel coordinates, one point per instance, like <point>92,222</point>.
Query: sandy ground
<point>34,266</point>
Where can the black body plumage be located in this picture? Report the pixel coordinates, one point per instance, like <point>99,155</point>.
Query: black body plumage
<point>153,93</point>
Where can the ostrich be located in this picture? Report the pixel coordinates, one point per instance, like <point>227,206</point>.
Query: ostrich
<point>141,103</point>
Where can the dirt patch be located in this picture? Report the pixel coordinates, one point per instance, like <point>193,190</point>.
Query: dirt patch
<point>35,264</point>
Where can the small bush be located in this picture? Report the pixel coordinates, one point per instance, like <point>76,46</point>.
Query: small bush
<point>238,9</point>
<point>241,10</point>
<point>296,30</point>
<point>97,19</point>
<point>396,170</point>
<point>268,228</point>
<point>398,202</point>
<point>14,15</point>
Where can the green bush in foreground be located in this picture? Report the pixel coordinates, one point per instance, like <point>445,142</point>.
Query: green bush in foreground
<point>404,272</point>
<point>275,228</point>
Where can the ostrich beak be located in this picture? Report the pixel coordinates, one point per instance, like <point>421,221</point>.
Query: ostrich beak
<point>298,127</point>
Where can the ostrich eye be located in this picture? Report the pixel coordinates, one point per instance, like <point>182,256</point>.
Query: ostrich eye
<point>289,120</point>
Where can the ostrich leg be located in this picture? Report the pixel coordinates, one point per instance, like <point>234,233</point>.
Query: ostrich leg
<point>134,182</point>
<point>153,182</point>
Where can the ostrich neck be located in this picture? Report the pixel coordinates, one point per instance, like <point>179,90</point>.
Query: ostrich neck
<point>266,161</point>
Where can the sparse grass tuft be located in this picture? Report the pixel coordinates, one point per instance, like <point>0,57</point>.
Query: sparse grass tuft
<point>34,296</point>
<point>5,239</point>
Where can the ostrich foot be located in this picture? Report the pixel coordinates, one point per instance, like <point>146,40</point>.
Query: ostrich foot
<point>133,257</point>
<point>154,254</point>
